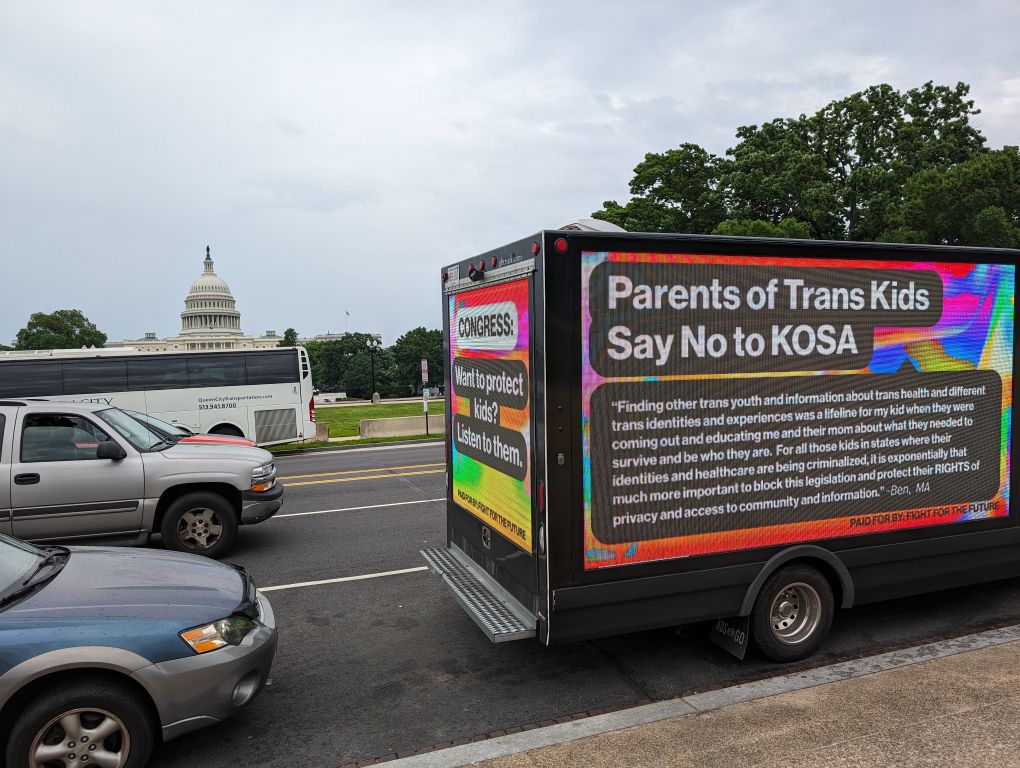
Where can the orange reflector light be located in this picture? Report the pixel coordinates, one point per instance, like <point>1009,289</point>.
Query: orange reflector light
<point>204,639</point>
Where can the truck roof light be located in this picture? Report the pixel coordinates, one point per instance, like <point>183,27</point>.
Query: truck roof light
<point>560,245</point>
<point>534,248</point>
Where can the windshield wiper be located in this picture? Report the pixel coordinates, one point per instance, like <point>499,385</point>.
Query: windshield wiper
<point>50,559</point>
<point>167,443</point>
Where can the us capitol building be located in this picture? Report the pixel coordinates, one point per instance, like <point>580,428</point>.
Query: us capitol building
<point>210,320</point>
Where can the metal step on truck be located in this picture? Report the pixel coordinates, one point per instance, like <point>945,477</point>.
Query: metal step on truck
<point>648,430</point>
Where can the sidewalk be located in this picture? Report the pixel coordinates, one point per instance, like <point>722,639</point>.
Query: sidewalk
<point>953,703</point>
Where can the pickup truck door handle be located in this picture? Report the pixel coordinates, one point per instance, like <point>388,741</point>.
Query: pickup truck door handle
<point>29,478</point>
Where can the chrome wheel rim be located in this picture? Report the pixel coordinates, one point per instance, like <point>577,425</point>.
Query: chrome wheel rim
<point>795,614</point>
<point>84,738</point>
<point>199,528</point>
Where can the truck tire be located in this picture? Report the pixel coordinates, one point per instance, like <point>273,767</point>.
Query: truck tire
<point>202,523</point>
<point>792,614</point>
<point>95,718</point>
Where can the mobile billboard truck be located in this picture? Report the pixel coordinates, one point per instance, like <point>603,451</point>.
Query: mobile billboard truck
<point>651,430</point>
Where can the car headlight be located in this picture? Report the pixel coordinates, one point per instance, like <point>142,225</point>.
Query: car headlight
<point>263,477</point>
<point>229,631</point>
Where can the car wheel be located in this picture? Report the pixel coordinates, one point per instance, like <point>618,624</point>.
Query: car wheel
<point>86,723</point>
<point>793,613</point>
<point>200,523</point>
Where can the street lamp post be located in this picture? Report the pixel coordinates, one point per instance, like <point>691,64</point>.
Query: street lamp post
<point>373,345</point>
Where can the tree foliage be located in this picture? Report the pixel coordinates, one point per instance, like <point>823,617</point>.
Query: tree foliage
<point>408,352</point>
<point>346,365</point>
<point>678,190</point>
<point>789,228</point>
<point>289,338</point>
<point>62,329</point>
<point>976,202</point>
<point>876,164</point>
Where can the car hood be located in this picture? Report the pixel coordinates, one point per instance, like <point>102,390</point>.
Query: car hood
<point>115,582</point>
<point>228,451</point>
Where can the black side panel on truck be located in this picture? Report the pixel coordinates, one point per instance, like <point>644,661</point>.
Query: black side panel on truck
<point>647,430</point>
<point>742,404</point>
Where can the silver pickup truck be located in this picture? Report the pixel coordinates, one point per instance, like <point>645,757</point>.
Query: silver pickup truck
<point>82,472</point>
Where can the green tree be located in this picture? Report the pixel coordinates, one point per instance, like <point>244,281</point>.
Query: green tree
<point>62,329</point>
<point>289,338</point>
<point>789,228</point>
<point>976,202</point>
<point>841,171</point>
<point>408,352</point>
<point>345,364</point>
<point>678,190</point>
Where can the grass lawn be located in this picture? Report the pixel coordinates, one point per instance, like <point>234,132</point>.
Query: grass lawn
<point>343,421</point>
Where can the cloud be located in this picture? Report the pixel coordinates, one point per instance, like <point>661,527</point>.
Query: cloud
<point>335,155</point>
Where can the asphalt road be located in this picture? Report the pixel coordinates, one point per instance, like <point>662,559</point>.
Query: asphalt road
<point>390,664</point>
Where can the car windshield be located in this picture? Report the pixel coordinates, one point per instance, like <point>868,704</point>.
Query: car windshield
<point>132,430</point>
<point>171,429</point>
<point>16,559</point>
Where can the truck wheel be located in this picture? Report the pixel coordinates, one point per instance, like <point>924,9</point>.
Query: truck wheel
<point>200,523</point>
<point>793,613</point>
<point>85,722</point>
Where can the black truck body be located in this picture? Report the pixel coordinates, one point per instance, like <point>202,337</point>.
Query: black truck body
<point>643,430</point>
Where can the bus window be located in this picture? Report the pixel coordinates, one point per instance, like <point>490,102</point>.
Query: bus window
<point>30,379</point>
<point>215,370</point>
<point>271,368</point>
<point>168,372</point>
<point>83,377</point>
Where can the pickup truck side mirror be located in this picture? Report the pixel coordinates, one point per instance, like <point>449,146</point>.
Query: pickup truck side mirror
<point>110,450</point>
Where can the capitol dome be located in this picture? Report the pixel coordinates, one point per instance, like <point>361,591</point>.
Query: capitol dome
<point>209,307</point>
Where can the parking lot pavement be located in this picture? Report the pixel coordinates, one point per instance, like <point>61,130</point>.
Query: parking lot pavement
<point>388,663</point>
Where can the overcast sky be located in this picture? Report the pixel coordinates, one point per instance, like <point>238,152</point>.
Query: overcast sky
<point>334,155</point>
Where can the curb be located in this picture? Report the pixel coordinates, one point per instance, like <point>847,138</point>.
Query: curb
<point>341,447</point>
<point>570,729</point>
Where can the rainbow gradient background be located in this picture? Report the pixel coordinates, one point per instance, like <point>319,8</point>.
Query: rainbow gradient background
<point>974,332</point>
<point>504,494</point>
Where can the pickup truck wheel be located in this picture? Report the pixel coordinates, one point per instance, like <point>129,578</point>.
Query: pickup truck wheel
<point>200,523</point>
<point>85,722</point>
<point>793,613</point>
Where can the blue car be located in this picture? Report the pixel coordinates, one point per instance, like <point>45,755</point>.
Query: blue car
<point>105,651</point>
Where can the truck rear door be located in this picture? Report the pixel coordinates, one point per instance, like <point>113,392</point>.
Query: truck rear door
<point>491,564</point>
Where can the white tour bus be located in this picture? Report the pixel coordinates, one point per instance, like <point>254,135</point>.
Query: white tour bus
<point>264,395</point>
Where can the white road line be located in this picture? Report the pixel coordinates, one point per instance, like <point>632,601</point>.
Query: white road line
<point>356,509</point>
<point>343,579</point>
